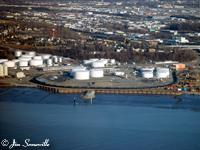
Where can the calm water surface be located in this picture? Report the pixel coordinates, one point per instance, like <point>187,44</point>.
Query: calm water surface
<point>112,122</point>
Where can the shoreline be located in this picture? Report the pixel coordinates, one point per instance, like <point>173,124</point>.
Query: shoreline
<point>77,90</point>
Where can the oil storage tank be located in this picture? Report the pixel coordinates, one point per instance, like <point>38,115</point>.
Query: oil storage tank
<point>82,75</point>
<point>37,57</point>
<point>45,56</point>
<point>49,62</point>
<point>147,72</point>
<point>162,72</point>
<point>18,53</point>
<point>55,59</point>
<point>9,64</point>
<point>25,58</point>
<point>23,63</point>
<point>96,73</point>
<point>3,60</point>
<point>98,64</point>
<point>31,53</point>
<point>3,70</point>
<point>90,61</point>
<point>112,61</point>
<point>60,59</point>
<point>78,68</point>
<point>36,62</point>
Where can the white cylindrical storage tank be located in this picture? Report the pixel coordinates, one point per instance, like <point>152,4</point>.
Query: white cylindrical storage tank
<point>98,64</point>
<point>49,62</point>
<point>147,74</point>
<point>36,62</point>
<point>162,72</point>
<point>112,61</point>
<point>25,59</point>
<point>55,59</point>
<point>1,70</point>
<point>78,68</point>
<point>93,59</point>
<point>87,62</point>
<point>37,57</point>
<point>45,56</point>
<point>3,60</point>
<point>60,59</point>
<point>16,60</point>
<point>105,61</point>
<point>23,63</point>
<point>26,56</point>
<point>5,70</point>
<point>96,73</point>
<point>31,53</point>
<point>82,75</point>
<point>9,64</point>
<point>147,69</point>
<point>18,53</point>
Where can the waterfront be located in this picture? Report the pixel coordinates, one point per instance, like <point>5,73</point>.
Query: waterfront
<point>111,122</point>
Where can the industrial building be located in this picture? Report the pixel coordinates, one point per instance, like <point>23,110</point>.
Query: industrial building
<point>3,70</point>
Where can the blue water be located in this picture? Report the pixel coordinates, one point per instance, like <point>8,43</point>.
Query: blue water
<point>112,122</point>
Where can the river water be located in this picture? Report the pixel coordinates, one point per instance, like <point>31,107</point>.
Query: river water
<point>112,122</point>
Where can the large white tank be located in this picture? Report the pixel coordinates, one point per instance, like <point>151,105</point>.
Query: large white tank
<point>16,60</point>
<point>9,64</point>
<point>93,59</point>
<point>147,69</point>
<point>25,58</point>
<point>45,56</point>
<point>18,53</point>
<point>49,62</point>
<point>78,68</point>
<point>23,63</point>
<point>96,73</point>
<point>36,62</point>
<point>3,60</point>
<point>5,69</point>
<point>162,72</point>
<point>82,75</point>
<point>60,59</point>
<point>105,61</point>
<point>31,53</point>
<point>37,57</point>
<point>1,71</point>
<point>112,61</point>
<point>98,64</point>
<point>55,59</point>
<point>90,61</point>
<point>147,74</point>
<point>86,62</point>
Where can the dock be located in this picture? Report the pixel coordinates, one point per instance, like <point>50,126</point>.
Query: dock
<point>67,90</point>
<point>110,91</point>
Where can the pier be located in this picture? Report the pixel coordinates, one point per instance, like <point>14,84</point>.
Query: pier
<point>112,91</point>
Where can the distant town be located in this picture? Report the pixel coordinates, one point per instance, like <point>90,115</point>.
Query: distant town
<point>147,47</point>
